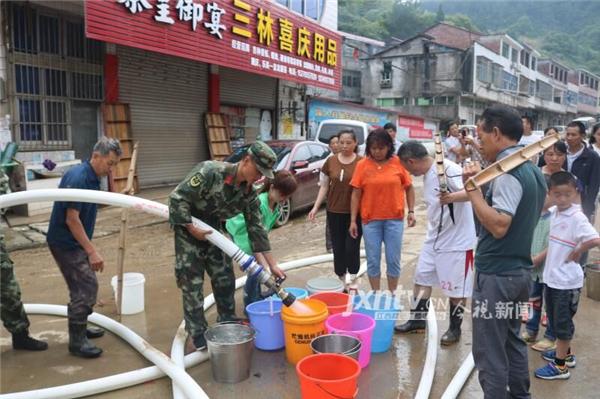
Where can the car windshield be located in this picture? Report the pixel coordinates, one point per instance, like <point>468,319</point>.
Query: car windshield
<point>329,130</point>
<point>280,150</point>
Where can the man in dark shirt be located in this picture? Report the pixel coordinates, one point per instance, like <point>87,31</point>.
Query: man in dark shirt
<point>508,213</point>
<point>69,239</point>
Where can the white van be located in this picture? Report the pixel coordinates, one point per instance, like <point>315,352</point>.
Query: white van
<point>330,127</point>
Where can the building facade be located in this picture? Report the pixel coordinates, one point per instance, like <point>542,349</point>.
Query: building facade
<point>452,73</point>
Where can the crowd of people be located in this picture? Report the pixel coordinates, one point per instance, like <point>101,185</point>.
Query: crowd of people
<point>520,239</point>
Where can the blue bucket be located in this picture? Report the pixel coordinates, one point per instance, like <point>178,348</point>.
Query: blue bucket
<point>385,310</point>
<point>265,317</point>
<point>299,293</point>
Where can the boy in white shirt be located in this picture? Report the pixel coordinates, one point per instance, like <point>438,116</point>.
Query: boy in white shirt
<point>446,258</point>
<point>571,234</point>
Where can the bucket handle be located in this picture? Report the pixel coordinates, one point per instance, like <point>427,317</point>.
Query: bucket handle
<point>335,396</point>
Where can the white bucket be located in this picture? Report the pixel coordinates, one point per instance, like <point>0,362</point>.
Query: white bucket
<point>133,292</point>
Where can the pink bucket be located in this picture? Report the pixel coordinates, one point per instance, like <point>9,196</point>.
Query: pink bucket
<point>357,325</point>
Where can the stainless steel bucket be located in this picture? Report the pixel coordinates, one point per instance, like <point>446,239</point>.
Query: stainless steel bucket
<point>230,347</point>
<point>337,343</point>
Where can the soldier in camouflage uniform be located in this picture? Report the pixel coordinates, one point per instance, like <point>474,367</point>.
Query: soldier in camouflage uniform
<point>13,314</point>
<point>213,192</point>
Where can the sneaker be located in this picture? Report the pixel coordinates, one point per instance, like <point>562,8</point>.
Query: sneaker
<point>570,361</point>
<point>544,345</point>
<point>528,336</point>
<point>552,372</point>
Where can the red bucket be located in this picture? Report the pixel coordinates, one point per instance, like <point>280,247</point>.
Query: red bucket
<point>328,376</point>
<point>337,302</point>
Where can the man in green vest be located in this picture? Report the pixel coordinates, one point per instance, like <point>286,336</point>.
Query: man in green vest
<point>508,214</point>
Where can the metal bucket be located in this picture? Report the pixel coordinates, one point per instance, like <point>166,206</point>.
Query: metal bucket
<point>592,281</point>
<point>336,343</point>
<point>230,347</point>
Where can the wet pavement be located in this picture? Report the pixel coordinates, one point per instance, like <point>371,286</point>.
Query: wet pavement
<point>394,374</point>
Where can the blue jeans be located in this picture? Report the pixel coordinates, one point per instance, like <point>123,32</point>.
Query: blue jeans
<point>533,325</point>
<point>252,291</point>
<point>388,232</point>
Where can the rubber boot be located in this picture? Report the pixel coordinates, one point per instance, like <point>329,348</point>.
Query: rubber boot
<point>418,319</point>
<point>79,344</point>
<point>22,340</point>
<point>94,332</point>
<point>452,335</point>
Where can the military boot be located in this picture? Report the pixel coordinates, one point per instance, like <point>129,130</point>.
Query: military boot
<point>452,335</point>
<point>79,345</point>
<point>22,340</point>
<point>94,332</point>
<point>418,319</point>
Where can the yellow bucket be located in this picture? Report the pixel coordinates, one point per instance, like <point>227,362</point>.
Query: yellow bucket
<point>302,322</point>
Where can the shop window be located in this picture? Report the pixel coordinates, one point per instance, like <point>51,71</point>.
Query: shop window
<point>30,120</point>
<point>56,117</point>
<point>312,8</point>
<point>385,102</point>
<point>49,35</point>
<point>27,79</point>
<point>24,29</point>
<point>56,83</point>
<point>86,86</point>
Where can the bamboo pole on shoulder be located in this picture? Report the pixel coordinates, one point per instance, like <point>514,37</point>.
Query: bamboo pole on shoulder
<point>128,190</point>
<point>507,164</point>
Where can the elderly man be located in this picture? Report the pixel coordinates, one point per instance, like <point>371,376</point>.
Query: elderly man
<point>214,192</point>
<point>508,213</point>
<point>69,239</point>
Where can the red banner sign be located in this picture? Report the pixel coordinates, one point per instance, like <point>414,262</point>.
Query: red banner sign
<point>417,133</point>
<point>256,36</point>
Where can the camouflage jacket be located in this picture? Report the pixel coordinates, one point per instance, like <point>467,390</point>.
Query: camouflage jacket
<point>209,193</point>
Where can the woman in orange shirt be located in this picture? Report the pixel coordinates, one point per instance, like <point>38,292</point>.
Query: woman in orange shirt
<point>380,186</point>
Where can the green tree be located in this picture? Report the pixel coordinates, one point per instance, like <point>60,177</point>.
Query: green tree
<point>462,21</point>
<point>440,16</point>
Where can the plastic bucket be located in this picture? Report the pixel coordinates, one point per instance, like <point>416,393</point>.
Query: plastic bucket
<point>337,343</point>
<point>265,317</point>
<point>299,293</point>
<point>133,292</point>
<point>230,348</point>
<point>356,325</point>
<point>384,309</point>
<point>337,302</point>
<point>302,322</point>
<point>328,376</point>
<point>324,284</point>
<point>592,281</point>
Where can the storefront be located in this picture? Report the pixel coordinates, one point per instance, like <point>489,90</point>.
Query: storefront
<point>175,61</point>
<point>409,127</point>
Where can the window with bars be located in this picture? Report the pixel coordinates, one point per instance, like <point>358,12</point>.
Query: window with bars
<point>51,63</point>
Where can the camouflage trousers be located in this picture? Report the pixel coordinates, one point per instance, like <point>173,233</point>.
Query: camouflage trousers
<point>81,280</point>
<point>13,314</point>
<point>192,258</point>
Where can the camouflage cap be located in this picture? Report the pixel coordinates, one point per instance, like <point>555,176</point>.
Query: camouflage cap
<point>264,158</point>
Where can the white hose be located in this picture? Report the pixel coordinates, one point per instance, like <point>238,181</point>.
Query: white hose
<point>177,348</point>
<point>426,381</point>
<point>165,364</point>
<point>184,384</point>
<point>460,378</point>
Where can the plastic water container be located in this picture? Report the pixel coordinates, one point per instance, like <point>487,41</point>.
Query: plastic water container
<point>302,322</point>
<point>356,325</point>
<point>385,310</point>
<point>324,284</point>
<point>299,293</point>
<point>337,302</point>
<point>265,317</point>
<point>133,292</point>
<point>328,376</point>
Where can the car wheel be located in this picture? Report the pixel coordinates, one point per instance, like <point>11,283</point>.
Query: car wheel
<point>285,210</point>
